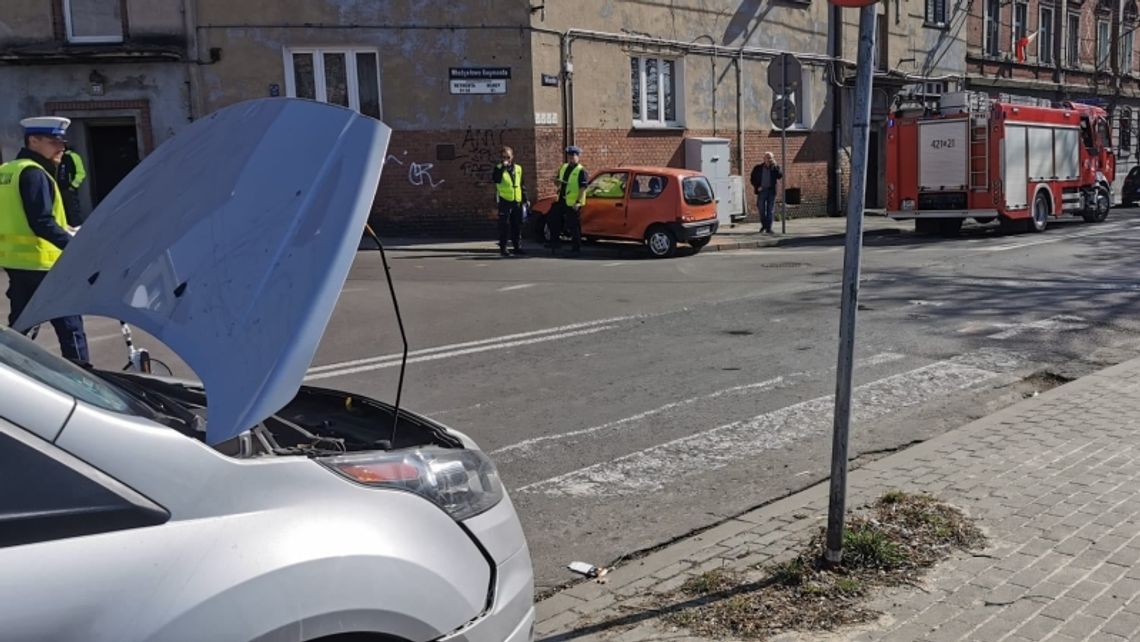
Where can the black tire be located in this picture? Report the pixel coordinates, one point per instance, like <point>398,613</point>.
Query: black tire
<point>1102,201</point>
<point>984,220</point>
<point>1042,210</point>
<point>926,226</point>
<point>949,226</point>
<point>1011,226</point>
<point>660,242</point>
<point>697,244</point>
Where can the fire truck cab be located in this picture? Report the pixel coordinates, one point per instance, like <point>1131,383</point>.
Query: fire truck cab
<point>974,157</point>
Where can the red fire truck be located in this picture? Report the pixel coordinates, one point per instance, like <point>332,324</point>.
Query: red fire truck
<point>974,157</point>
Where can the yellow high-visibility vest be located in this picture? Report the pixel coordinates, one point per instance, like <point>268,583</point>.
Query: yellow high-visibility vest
<point>20,248</point>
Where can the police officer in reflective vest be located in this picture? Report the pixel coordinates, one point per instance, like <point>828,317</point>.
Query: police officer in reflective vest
<point>71,175</point>
<point>510,196</point>
<point>33,224</point>
<point>566,213</point>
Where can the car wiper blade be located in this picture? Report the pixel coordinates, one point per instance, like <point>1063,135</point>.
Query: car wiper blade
<point>156,402</point>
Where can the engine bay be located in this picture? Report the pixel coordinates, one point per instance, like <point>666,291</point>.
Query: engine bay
<point>317,422</point>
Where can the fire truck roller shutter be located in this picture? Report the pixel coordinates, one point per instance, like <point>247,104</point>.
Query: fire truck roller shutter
<point>944,155</point>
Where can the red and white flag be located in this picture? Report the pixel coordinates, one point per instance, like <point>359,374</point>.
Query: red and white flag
<point>1023,44</point>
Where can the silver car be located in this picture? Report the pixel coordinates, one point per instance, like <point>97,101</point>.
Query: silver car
<point>131,508</point>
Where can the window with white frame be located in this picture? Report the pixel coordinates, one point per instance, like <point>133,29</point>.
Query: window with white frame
<point>1045,37</point>
<point>993,28</point>
<point>93,21</point>
<point>654,83</point>
<point>1103,43</point>
<point>346,77</point>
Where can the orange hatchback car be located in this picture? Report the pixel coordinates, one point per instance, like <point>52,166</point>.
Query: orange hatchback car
<point>658,206</point>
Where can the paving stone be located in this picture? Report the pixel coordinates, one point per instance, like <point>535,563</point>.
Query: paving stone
<point>1124,624</point>
<point>1062,608</point>
<point>1037,628</point>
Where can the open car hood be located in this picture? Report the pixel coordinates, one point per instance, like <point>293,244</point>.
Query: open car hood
<point>230,244</point>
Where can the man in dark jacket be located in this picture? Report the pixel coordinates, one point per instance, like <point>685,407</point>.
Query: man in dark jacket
<point>33,224</point>
<point>71,175</point>
<point>764,179</point>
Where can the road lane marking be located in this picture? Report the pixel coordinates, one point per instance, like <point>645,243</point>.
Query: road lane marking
<point>1058,323</point>
<point>326,374</point>
<point>668,464</point>
<point>468,344</point>
<point>516,287</point>
<point>1104,229</point>
<point>614,264</point>
<point>526,446</point>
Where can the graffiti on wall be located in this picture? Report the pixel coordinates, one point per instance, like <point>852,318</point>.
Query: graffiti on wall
<point>419,174</point>
<point>479,153</point>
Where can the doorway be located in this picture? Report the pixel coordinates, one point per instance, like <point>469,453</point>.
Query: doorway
<point>113,148</point>
<point>871,196</point>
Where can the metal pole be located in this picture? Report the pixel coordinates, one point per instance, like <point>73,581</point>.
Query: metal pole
<point>860,133</point>
<point>784,147</point>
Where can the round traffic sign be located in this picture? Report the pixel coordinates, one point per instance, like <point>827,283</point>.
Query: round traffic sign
<point>783,113</point>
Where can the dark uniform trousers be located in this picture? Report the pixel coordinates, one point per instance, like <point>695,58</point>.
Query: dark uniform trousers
<point>510,221</point>
<point>22,284</point>
<point>564,218</point>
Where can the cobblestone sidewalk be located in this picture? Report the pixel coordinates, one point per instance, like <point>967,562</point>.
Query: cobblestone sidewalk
<point>1052,480</point>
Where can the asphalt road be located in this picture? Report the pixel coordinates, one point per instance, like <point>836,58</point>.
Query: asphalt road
<point>631,401</point>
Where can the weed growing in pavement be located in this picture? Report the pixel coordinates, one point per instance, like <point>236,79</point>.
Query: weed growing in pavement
<point>887,543</point>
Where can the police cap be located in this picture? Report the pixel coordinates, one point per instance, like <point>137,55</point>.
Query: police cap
<point>46,126</point>
<point>574,149</point>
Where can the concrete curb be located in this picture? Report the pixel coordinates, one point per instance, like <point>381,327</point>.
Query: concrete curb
<point>632,249</point>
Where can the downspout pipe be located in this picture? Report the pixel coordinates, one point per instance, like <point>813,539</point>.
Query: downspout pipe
<point>835,169</point>
<point>740,114</point>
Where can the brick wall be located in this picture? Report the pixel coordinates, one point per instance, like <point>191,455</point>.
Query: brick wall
<point>438,182</point>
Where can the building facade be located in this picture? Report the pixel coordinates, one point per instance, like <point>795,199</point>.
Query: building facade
<point>1079,50</point>
<point>627,80</point>
<point>118,68</point>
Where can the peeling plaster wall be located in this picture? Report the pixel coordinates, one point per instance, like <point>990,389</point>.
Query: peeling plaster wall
<point>443,146</point>
<point>30,85</point>
<point>414,62</point>
<point>162,84</point>
<point>912,46</point>
<point>25,21</point>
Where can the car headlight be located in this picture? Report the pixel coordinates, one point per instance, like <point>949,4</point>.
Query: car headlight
<point>464,483</point>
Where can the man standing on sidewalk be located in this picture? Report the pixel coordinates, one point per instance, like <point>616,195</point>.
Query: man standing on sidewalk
<point>33,225</point>
<point>510,194</point>
<point>566,212</point>
<point>71,175</point>
<point>764,179</point>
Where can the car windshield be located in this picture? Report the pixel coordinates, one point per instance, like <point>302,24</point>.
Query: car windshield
<point>697,190</point>
<point>24,356</point>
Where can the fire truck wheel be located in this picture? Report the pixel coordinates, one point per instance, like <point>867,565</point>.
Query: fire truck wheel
<point>1011,226</point>
<point>926,226</point>
<point>1100,207</point>
<point>1041,211</point>
<point>949,226</point>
